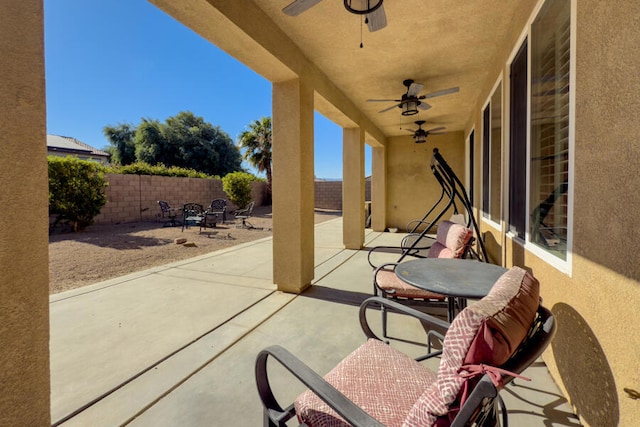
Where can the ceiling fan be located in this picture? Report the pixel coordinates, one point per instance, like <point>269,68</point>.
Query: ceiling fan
<point>410,101</point>
<point>420,135</point>
<point>375,18</point>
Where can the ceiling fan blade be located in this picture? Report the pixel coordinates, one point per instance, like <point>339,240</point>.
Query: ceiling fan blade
<point>442,92</point>
<point>436,129</point>
<point>414,89</point>
<point>377,19</point>
<point>411,130</point>
<point>424,106</point>
<point>390,108</point>
<point>384,100</point>
<point>298,6</point>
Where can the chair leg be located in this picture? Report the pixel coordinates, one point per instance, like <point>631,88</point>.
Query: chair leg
<point>383,312</point>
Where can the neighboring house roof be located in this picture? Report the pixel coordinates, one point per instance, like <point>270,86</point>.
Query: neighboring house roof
<point>57,144</point>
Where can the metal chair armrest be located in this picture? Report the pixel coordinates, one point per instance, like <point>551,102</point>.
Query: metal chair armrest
<point>431,321</point>
<point>352,413</point>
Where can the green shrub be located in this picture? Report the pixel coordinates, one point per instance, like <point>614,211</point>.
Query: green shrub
<point>238,186</point>
<point>142,168</point>
<point>76,190</point>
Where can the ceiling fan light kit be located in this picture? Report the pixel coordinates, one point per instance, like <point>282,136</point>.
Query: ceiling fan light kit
<point>420,138</point>
<point>409,108</point>
<point>362,7</point>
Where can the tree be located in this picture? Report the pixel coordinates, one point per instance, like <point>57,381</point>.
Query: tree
<point>122,149</point>
<point>186,141</point>
<point>257,144</point>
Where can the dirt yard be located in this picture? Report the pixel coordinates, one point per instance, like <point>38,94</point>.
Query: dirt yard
<point>102,252</point>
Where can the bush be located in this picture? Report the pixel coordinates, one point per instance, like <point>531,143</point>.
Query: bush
<point>142,168</point>
<point>76,190</point>
<point>238,186</point>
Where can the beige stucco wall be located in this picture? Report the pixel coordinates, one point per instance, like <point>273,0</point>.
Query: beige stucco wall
<point>411,187</point>
<point>594,356</point>
<point>24,282</point>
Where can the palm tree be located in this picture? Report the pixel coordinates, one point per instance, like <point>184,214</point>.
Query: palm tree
<point>256,141</point>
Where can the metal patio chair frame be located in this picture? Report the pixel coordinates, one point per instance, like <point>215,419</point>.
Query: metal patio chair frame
<point>170,213</point>
<point>481,407</point>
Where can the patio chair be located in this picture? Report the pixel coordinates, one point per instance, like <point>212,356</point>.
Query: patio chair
<point>452,241</point>
<point>169,212</point>
<point>218,207</point>
<point>192,214</point>
<point>243,215</point>
<point>485,347</point>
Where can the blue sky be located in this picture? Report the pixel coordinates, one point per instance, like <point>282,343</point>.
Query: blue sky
<point>118,61</point>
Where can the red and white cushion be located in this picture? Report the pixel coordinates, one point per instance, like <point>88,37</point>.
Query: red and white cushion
<point>398,391</point>
<point>486,332</point>
<point>384,382</point>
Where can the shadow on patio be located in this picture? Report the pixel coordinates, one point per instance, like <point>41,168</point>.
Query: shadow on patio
<point>176,345</point>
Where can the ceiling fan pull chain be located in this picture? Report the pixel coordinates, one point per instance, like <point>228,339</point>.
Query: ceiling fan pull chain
<point>361,45</point>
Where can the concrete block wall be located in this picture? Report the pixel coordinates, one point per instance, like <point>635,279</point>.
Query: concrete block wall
<point>132,198</point>
<point>328,194</point>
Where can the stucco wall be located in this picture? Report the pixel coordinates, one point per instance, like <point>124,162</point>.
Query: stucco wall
<point>594,357</point>
<point>133,198</point>
<point>598,305</point>
<point>24,290</point>
<point>411,187</point>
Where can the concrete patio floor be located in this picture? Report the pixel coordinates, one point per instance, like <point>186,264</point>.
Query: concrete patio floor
<point>175,345</point>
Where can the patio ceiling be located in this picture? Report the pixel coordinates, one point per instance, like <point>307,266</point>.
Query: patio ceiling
<point>439,43</point>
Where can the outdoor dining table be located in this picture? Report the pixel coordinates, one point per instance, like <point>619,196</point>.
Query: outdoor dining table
<point>453,278</point>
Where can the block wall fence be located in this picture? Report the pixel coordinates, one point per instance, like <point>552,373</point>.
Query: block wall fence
<point>132,198</point>
<point>328,194</point>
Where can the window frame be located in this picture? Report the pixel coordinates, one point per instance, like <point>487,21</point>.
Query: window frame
<point>487,180</point>
<point>563,265</point>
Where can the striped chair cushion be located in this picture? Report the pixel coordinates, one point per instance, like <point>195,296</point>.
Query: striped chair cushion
<point>381,380</point>
<point>487,332</point>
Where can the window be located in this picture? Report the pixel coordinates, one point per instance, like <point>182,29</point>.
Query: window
<point>550,101</point>
<point>491,156</point>
<point>518,144</point>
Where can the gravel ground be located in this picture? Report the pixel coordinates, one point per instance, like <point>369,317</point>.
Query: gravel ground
<point>102,252</point>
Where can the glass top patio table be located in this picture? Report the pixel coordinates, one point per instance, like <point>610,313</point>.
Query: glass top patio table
<point>454,278</point>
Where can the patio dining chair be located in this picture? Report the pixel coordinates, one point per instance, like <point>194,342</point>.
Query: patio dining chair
<point>488,345</point>
<point>170,213</point>
<point>218,207</point>
<point>192,214</point>
<point>452,241</point>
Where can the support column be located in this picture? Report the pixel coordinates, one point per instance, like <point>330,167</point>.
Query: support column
<point>353,219</point>
<point>293,186</point>
<point>24,262</point>
<point>378,189</point>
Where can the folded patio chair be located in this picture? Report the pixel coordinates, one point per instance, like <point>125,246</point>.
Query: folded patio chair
<point>452,241</point>
<point>485,347</point>
<point>169,212</point>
